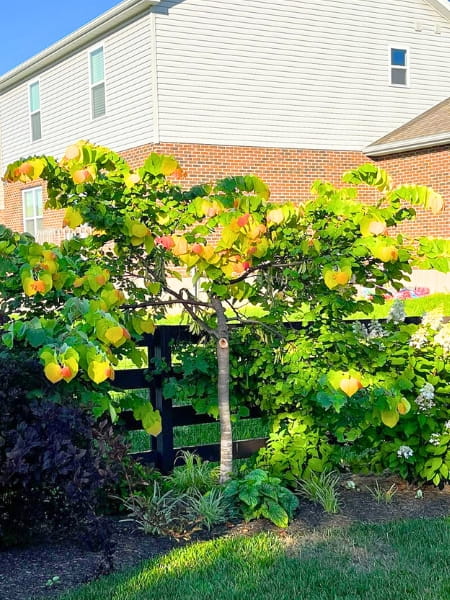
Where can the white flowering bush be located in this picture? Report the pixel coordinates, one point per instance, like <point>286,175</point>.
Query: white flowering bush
<point>418,447</point>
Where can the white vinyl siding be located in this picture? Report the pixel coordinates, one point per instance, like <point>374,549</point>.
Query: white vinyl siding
<point>35,110</point>
<point>32,210</point>
<point>291,74</point>
<point>66,104</point>
<point>309,74</point>
<point>97,81</point>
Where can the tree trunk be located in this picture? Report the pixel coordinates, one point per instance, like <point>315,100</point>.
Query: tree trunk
<point>223,392</point>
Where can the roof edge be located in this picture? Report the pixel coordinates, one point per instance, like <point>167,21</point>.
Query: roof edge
<point>418,143</point>
<point>441,6</point>
<point>84,35</point>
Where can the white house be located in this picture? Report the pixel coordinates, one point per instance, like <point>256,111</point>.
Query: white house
<point>288,90</point>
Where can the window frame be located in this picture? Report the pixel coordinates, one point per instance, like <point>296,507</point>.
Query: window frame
<point>98,83</point>
<point>35,112</point>
<point>405,68</point>
<point>36,218</point>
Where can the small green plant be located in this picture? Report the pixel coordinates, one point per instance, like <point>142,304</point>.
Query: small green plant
<point>321,489</point>
<point>194,475</point>
<point>158,513</point>
<point>382,495</point>
<point>258,494</point>
<point>209,509</point>
<point>53,581</point>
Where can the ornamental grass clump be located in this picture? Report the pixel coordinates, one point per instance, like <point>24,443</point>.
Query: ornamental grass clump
<point>194,475</point>
<point>321,489</point>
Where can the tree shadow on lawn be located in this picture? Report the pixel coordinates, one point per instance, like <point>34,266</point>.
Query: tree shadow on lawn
<point>25,571</point>
<point>362,562</point>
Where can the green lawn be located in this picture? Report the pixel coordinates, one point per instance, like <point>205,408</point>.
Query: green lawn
<point>414,307</point>
<point>407,560</point>
<point>207,433</point>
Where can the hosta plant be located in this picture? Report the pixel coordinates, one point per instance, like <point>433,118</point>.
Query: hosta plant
<point>257,494</point>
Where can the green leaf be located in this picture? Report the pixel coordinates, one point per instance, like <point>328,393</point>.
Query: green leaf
<point>275,513</point>
<point>250,496</point>
<point>150,418</point>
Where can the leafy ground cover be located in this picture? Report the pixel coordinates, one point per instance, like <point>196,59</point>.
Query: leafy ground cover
<point>371,550</point>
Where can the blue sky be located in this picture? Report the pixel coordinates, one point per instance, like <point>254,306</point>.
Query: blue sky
<point>31,26</point>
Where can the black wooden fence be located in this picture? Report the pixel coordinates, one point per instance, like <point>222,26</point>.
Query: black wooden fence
<point>163,453</point>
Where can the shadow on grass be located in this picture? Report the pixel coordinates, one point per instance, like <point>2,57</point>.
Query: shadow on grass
<point>407,560</point>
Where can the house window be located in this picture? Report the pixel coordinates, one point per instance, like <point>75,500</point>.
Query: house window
<point>97,77</point>
<point>32,210</point>
<point>35,111</point>
<point>399,66</point>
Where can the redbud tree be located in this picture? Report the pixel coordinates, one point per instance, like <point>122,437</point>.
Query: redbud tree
<point>82,305</point>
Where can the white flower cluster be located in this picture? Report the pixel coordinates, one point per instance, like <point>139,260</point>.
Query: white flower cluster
<point>376,330</point>
<point>425,399</point>
<point>419,338</point>
<point>405,452</point>
<point>433,319</point>
<point>447,425</point>
<point>435,439</point>
<point>432,325</point>
<point>443,338</point>
<point>397,312</point>
<point>370,332</point>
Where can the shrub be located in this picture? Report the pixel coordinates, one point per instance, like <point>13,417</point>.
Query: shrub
<point>53,457</point>
<point>257,494</point>
<point>295,449</point>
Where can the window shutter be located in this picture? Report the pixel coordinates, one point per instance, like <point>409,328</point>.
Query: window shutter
<point>98,100</point>
<point>36,132</point>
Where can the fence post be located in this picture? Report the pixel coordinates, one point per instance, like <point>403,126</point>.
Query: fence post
<point>162,445</point>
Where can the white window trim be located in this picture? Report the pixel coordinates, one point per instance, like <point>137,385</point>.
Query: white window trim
<point>407,68</point>
<point>91,85</point>
<point>35,218</point>
<point>31,113</point>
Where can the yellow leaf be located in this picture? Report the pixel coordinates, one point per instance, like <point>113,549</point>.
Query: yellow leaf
<point>147,326</point>
<point>72,218</point>
<point>189,259</point>
<point>386,253</point>
<point>115,335</point>
<point>370,226</point>
<point>390,418</point>
<point>139,230</point>
<point>53,372</point>
<point>70,369</point>
<point>403,407</point>
<point>350,385</point>
<point>207,253</point>
<point>181,246</point>
<point>435,202</point>
<point>99,371</point>
<point>334,278</point>
<point>275,216</point>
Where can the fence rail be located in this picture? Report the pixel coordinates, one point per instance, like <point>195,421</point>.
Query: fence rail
<point>163,453</point>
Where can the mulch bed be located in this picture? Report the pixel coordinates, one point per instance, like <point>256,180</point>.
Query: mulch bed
<point>25,571</point>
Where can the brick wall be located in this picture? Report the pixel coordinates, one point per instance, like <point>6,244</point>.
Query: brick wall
<point>425,167</point>
<point>288,172</point>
